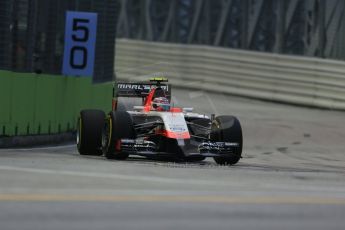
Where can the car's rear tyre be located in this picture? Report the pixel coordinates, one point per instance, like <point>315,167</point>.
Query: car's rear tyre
<point>227,129</point>
<point>118,125</point>
<point>89,132</point>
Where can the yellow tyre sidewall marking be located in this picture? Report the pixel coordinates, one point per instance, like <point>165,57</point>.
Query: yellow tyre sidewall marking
<point>79,131</point>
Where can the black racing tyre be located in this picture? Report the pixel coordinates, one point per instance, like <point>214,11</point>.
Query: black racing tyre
<point>118,125</point>
<point>227,129</point>
<point>89,132</point>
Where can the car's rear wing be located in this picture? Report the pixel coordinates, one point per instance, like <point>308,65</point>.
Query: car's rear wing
<point>138,89</point>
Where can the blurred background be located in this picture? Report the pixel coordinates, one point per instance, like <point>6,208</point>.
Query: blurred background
<point>32,31</point>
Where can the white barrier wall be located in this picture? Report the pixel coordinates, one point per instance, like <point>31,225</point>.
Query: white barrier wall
<point>281,78</point>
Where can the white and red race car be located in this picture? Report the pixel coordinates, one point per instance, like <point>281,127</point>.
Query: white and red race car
<point>154,128</point>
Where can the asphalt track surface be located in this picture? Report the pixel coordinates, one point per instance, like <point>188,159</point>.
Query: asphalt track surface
<point>292,176</point>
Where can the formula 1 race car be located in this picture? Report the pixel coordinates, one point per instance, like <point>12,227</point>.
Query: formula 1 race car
<point>153,128</point>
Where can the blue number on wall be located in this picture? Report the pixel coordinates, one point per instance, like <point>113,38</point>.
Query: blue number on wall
<point>80,41</point>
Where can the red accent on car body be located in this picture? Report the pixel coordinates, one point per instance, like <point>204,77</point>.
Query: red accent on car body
<point>173,135</point>
<point>114,104</point>
<point>118,145</point>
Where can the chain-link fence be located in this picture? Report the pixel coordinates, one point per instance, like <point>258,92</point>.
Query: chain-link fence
<point>32,31</point>
<point>299,27</point>
<point>5,34</point>
<point>32,35</point>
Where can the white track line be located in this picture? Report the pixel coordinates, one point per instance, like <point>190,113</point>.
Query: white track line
<point>44,148</point>
<point>110,176</point>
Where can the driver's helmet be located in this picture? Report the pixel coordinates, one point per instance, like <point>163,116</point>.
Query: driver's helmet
<point>161,104</point>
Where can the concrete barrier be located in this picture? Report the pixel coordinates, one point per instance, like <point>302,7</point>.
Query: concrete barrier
<point>281,78</point>
<point>32,104</point>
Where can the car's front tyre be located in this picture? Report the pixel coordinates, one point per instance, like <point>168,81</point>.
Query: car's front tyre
<point>118,125</point>
<point>227,129</point>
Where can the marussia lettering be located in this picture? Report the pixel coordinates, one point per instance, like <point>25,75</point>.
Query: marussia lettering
<point>139,87</point>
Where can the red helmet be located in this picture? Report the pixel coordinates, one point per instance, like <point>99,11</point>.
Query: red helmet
<point>161,104</point>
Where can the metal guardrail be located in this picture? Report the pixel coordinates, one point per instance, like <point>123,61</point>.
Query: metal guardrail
<point>289,79</point>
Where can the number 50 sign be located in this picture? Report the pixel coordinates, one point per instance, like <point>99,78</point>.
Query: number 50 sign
<point>80,40</point>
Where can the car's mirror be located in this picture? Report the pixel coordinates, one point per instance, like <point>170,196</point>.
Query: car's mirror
<point>187,110</point>
<point>138,107</point>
